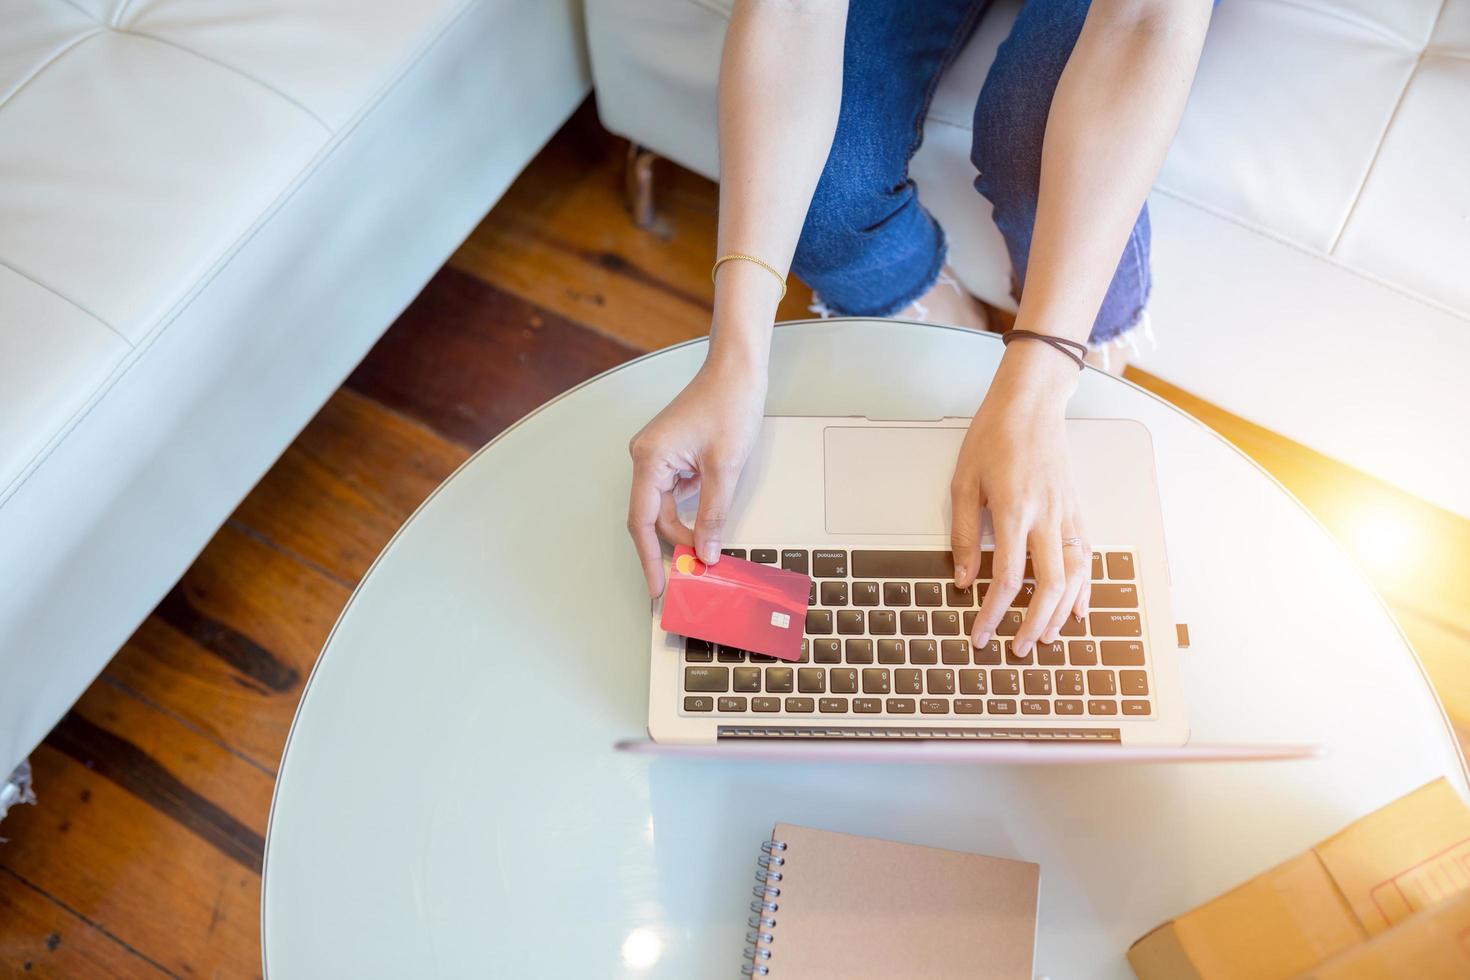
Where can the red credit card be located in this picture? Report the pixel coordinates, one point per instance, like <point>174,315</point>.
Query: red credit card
<point>736,603</point>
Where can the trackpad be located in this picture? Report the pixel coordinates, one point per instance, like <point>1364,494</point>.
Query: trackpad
<point>889,479</point>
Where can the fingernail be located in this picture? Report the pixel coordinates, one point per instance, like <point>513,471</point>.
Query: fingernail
<point>711,553</point>
<point>1024,648</point>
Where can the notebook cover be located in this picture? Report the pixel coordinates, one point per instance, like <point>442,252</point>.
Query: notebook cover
<point>853,907</point>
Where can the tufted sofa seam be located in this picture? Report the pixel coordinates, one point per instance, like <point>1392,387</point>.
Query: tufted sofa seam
<point>1364,23</point>
<point>1266,233</point>
<point>64,298</point>
<point>55,57</point>
<point>289,191</point>
<point>1352,207</point>
<point>229,68</point>
<point>82,10</point>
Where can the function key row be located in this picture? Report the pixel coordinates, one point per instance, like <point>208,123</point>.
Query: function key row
<point>907,706</point>
<point>906,564</point>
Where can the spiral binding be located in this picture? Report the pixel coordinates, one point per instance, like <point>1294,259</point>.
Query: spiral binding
<point>763,921</point>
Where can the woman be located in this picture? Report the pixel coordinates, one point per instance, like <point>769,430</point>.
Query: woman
<point>1071,127</point>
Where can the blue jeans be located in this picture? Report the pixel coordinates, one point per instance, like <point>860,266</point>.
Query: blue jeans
<point>868,247</point>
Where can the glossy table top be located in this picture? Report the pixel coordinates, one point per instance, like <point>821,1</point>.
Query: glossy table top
<point>450,803</point>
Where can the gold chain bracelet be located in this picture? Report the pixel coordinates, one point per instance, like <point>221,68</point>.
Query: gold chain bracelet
<point>749,258</point>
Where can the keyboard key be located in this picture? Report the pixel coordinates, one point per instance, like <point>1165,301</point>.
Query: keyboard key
<point>928,594</point>
<point>867,706</point>
<point>1031,706</point>
<point>699,704</point>
<point>827,651</point>
<point>1122,653</point>
<point>1052,654</point>
<point>970,616</point>
<point>761,658</point>
<point>859,651</point>
<point>1036,681</point>
<point>801,706</point>
<point>843,680</point>
<point>890,652</point>
<point>818,622</point>
<point>1135,707</point>
<point>795,560</point>
<point>946,622</point>
<point>972,682</point>
<point>939,681</point>
<point>1069,682</point>
<point>731,655</point>
<point>765,704</point>
<point>1097,707</point>
<point>707,679</point>
<point>968,706</point>
<point>832,705</point>
<point>1083,653</point>
<point>913,622</point>
<point>903,564</point>
<point>731,704</point>
<point>1067,706</point>
<point>1005,682</point>
<point>882,622</point>
<point>1101,682</point>
<point>987,565</point>
<point>908,680</point>
<point>849,621</point>
<point>834,593</point>
<point>1023,597</point>
<point>698,651</point>
<point>923,652</point>
<point>1010,624</point>
<point>958,598</point>
<point>829,564</point>
<point>811,594</point>
<point>1133,682</point>
<point>1114,597</point>
<point>895,593</point>
<point>1014,658</point>
<point>865,593</point>
<point>764,556</point>
<point>1120,564</point>
<point>900,706</point>
<point>989,653</point>
<point>811,680</point>
<point>876,680</point>
<point>1001,707</point>
<point>1097,565</point>
<point>1072,626</point>
<point>733,552</point>
<point>805,656</point>
<point>747,679</point>
<point>1115,624</point>
<point>934,706</point>
<point>779,680</point>
<point>955,651</point>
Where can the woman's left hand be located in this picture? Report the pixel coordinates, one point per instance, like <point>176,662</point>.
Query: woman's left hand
<point>1015,461</point>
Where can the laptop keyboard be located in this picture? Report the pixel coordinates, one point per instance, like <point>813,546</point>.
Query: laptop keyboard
<point>888,635</point>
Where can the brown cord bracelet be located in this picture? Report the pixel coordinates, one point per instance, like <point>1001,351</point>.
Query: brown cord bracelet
<point>1071,348</point>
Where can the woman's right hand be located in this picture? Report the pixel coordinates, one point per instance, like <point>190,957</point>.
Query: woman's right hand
<point>699,443</point>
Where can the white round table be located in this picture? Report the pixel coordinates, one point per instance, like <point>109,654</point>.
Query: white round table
<point>450,803</point>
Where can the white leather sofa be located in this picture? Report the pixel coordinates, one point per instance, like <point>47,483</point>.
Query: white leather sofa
<point>1311,225</point>
<point>209,210</point>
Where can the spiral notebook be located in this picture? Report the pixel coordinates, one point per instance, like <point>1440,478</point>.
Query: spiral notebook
<point>835,905</point>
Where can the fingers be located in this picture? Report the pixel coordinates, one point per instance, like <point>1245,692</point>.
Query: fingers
<point>1078,563</point>
<point>964,536</point>
<point>1010,563</point>
<point>1084,595</point>
<point>645,505</point>
<point>1045,540</point>
<point>716,491</point>
<point>670,528</point>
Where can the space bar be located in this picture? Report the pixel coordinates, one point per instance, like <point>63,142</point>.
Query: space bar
<point>902,564</point>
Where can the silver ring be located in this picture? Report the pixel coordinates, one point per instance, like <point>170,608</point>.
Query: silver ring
<point>1071,542</point>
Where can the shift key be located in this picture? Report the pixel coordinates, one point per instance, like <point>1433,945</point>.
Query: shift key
<point>1115,624</point>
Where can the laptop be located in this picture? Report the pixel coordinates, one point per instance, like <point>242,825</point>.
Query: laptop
<point>862,506</point>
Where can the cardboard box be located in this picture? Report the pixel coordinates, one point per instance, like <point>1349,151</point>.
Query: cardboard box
<point>1430,945</point>
<point>1378,872</point>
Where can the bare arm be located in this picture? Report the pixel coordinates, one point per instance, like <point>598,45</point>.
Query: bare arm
<point>1113,116</point>
<point>780,90</point>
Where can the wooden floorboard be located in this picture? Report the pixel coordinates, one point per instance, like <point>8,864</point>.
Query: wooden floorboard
<point>143,858</point>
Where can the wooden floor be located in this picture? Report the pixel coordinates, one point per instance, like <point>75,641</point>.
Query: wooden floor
<point>143,858</point>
